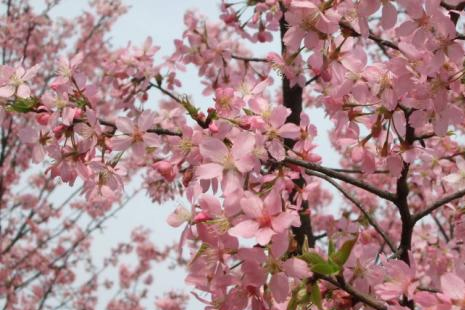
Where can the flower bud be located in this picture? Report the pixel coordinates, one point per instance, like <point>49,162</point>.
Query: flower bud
<point>43,118</point>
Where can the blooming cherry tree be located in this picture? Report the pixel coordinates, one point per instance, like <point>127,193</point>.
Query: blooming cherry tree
<point>266,223</point>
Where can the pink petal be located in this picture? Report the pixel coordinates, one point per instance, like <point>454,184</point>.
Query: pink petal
<point>38,153</point>
<point>290,131</point>
<point>213,149</point>
<point>278,116</point>
<point>245,229</point>
<point>406,29</point>
<point>394,164</point>
<point>31,72</point>
<point>273,203</point>
<point>453,286</point>
<point>121,143</point>
<point>151,139</point>
<point>209,171</point>
<point>252,206</point>
<point>243,145</point>
<point>279,286</point>
<point>7,91</point>
<point>231,182</point>
<point>389,18</point>
<point>138,148</point>
<point>146,120</point>
<point>264,235</point>
<point>245,164</point>
<point>296,268</point>
<point>276,150</point>
<point>279,244</point>
<point>68,115</point>
<point>28,135</point>
<point>210,203</point>
<point>283,221</point>
<point>180,215</point>
<point>418,118</point>
<point>293,37</point>
<point>124,125</point>
<point>252,254</point>
<point>23,91</point>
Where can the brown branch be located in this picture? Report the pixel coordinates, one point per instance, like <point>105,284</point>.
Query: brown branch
<point>371,36</point>
<point>365,298</point>
<point>293,99</point>
<point>247,59</point>
<point>439,203</point>
<point>454,17</point>
<point>313,79</point>
<point>159,131</point>
<point>401,202</point>
<point>358,205</point>
<point>343,177</point>
<point>441,228</point>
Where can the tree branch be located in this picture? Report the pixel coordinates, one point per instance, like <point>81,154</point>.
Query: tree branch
<point>253,59</point>
<point>365,298</point>
<point>439,203</point>
<point>358,205</point>
<point>159,131</point>
<point>371,36</point>
<point>343,177</point>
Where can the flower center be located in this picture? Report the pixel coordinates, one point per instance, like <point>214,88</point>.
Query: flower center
<point>265,221</point>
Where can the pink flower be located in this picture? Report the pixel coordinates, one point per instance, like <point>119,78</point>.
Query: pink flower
<point>226,163</point>
<point>227,105</point>
<point>166,169</point>
<point>179,216</point>
<point>263,218</point>
<point>453,288</point>
<point>67,70</point>
<point>308,22</point>
<point>16,81</point>
<point>37,139</point>
<point>400,280</point>
<point>108,175</point>
<point>61,103</point>
<point>135,134</point>
<point>273,123</point>
<point>457,179</point>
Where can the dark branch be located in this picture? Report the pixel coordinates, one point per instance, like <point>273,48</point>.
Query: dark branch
<point>439,203</point>
<point>252,59</point>
<point>343,177</point>
<point>358,205</point>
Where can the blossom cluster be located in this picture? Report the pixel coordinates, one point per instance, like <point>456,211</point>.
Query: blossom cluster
<point>258,218</point>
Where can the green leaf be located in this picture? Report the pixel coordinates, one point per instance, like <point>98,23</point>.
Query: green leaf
<point>299,296</point>
<point>331,247</point>
<point>316,296</point>
<point>248,112</point>
<point>23,105</point>
<point>313,258</point>
<point>305,246</point>
<point>341,256</point>
<point>326,268</point>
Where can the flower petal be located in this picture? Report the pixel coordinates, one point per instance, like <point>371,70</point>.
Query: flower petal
<point>245,229</point>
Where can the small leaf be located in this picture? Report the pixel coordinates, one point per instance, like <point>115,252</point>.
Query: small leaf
<point>23,105</point>
<point>313,258</point>
<point>316,296</point>
<point>341,256</point>
<point>331,247</point>
<point>305,246</point>
<point>299,296</point>
<point>326,268</point>
<point>248,112</point>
